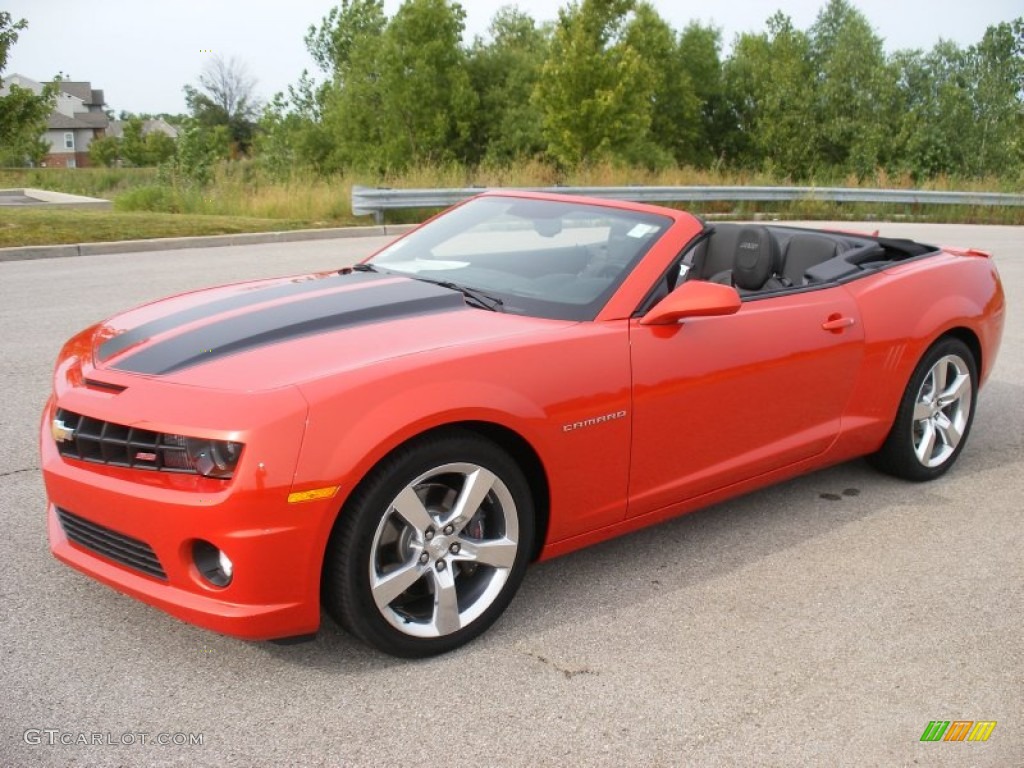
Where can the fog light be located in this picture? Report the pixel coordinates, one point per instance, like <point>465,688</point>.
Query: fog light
<point>215,566</point>
<point>225,564</point>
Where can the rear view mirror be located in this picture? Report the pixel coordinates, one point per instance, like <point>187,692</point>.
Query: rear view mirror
<point>694,298</point>
<point>547,227</point>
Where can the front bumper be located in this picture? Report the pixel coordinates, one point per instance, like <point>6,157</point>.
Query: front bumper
<point>276,547</point>
<point>247,620</point>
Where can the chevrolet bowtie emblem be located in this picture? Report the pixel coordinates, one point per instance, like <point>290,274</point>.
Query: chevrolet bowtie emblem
<point>61,433</point>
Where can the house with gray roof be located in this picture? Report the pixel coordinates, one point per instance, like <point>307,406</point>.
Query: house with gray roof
<point>76,120</point>
<point>154,125</point>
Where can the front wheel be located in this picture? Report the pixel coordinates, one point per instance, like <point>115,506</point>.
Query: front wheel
<point>934,416</point>
<point>431,547</point>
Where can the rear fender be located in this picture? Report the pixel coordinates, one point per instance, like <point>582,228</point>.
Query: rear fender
<point>905,311</point>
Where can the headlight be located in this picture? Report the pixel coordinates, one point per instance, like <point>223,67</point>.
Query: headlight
<point>102,442</point>
<point>213,458</point>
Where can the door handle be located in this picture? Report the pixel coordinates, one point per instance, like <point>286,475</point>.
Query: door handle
<point>836,323</point>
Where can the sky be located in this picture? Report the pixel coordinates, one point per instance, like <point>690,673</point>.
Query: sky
<point>142,52</point>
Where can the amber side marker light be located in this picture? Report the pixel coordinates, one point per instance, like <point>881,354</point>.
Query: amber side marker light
<point>313,495</point>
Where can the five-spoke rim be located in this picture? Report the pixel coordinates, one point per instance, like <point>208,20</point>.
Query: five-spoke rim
<point>941,410</point>
<point>443,550</point>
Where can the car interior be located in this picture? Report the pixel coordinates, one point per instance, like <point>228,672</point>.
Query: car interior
<point>763,260</point>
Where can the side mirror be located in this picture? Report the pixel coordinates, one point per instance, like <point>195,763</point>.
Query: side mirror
<point>694,298</point>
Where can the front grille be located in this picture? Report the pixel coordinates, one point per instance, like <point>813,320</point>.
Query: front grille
<point>104,442</point>
<point>115,546</point>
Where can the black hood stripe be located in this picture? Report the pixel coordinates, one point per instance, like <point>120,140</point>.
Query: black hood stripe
<point>249,298</point>
<point>319,314</point>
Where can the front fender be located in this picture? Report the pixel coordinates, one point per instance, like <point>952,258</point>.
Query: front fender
<point>349,436</point>
<point>532,389</point>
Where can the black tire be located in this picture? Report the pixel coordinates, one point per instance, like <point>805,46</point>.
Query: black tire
<point>901,453</point>
<point>372,542</point>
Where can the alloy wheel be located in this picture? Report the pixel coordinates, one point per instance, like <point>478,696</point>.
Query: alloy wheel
<point>941,410</point>
<point>444,550</point>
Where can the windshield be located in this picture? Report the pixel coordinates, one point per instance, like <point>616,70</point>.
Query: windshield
<point>544,258</point>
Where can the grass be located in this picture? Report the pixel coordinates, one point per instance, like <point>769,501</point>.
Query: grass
<point>40,226</point>
<point>242,198</point>
<point>107,183</point>
<point>320,202</point>
<point>239,200</point>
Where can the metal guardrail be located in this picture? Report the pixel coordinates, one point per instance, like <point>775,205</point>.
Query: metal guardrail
<point>372,200</point>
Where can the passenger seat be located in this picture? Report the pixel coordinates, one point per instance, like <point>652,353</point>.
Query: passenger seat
<point>803,252</point>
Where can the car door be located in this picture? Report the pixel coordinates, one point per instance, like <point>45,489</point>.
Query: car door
<point>717,400</point>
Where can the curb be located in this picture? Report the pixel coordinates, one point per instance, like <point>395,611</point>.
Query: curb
<point>25,253</point>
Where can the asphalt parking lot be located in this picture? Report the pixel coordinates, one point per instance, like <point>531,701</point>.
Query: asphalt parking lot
<point>822,622</point>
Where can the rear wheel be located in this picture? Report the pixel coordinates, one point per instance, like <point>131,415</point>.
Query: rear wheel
<point>431,548</point>
<point>935,414</point>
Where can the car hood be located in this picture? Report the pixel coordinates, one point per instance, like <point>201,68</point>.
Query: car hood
<point>273,333</point>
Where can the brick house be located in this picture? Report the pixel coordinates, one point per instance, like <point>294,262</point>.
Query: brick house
<point>76,120</point>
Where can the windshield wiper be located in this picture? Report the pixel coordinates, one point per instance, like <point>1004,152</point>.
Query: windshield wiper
<point>357,268</point>
<point>475,297</point>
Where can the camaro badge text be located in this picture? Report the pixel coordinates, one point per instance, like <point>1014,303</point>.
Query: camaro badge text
<point>594,421</point>
<point>60,432</point>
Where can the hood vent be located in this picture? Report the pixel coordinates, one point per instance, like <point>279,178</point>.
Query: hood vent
<point>102,386</point>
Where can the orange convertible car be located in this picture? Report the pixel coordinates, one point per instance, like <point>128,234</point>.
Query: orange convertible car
<point>521,376</point>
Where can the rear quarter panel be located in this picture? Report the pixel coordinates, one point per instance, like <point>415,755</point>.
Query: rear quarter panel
<point>905,309</point>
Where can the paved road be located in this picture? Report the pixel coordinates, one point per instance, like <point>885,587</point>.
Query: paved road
<point>785,628</point>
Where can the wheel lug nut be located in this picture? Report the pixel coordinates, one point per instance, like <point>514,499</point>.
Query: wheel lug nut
<point>424,558</point>
<point>441,565</point>
<point>454,548</point>
<point>449,530</point>
<point>429,534</point>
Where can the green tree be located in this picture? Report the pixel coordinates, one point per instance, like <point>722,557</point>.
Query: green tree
<point>771,89</point>
<point>403,96</point>
<point>675,128</point>
<point>595,91</point>
<point>699,54</point>
<point>36,150</point>
<point>9,30</point>
<point>853,119</point>
<point>199,149</point>
<point>276,134</point>
<point>287,137</point>
<point>504,72</point>
<point>105,151</point>
<point>23,114</point>
<point>428,101</point>
<point>160,147</point>
<point>343,29</point>
<point>995,68</point>
<point>337,125</point>
<point>225,97</point>
<point>291,132</point>
<point>133,143</point>
<point>935,105</point>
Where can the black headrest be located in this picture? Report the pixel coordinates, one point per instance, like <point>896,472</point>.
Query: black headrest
<point>756,258</point>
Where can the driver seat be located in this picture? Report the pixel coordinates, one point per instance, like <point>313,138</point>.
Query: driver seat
<point>755,263</point>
